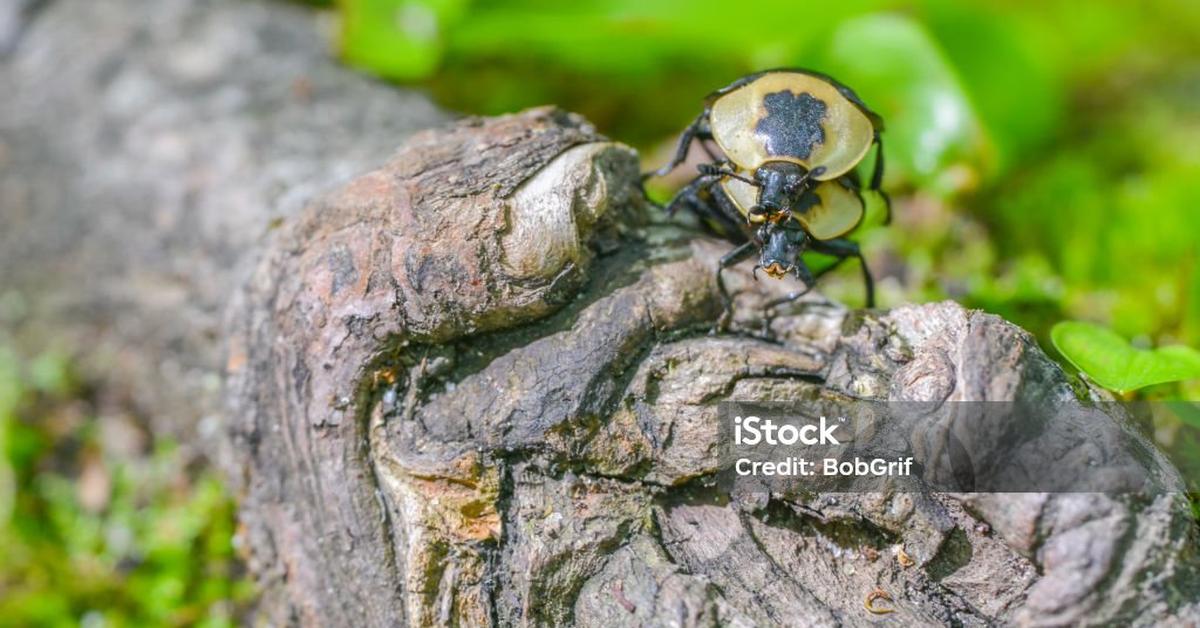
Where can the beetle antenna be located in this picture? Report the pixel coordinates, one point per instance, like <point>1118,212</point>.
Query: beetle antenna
<point>815,172</point>
<point>754,272</point>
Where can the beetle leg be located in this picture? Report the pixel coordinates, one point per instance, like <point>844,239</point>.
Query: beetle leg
<point>732,258</point>
<point>689,197</point>
<point>729,210</point>
<point>698,129</point>
<point>707,201</point>
<point>877,175</point>
<point>877,180</point>
<point>708,149</point>
<point>806,277</point>
<point>842,248</point>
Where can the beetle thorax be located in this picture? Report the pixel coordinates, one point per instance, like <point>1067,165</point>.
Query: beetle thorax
<point>781,246</point>
<point>780,186</point>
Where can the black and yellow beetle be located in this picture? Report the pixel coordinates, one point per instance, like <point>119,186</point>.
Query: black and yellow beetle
<point>787,183</point>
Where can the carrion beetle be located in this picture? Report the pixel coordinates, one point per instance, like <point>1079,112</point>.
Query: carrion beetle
<point>787,183</point>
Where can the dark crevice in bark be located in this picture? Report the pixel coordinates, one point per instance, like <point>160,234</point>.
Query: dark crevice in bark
<point>953,554</point>
<point>476,352</point>
<point>495,554</point>
<point>370,398</point>
<point>847,533</point>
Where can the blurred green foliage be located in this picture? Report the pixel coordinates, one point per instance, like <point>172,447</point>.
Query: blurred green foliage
<point>97,526</point>
<point>1044,158</point>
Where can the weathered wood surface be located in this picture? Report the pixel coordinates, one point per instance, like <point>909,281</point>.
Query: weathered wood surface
<point>476,387</point>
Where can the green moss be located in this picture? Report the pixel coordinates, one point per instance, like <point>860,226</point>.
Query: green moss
<point>100,526</point>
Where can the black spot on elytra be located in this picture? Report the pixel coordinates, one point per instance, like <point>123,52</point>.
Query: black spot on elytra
<point>792,125</point>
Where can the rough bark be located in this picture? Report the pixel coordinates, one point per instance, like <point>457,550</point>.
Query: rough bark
<point>476,387</point>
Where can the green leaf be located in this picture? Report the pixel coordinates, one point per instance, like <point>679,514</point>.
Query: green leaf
<point>1005,72</point>
<point>934,136</point>
<point>1110,361</point>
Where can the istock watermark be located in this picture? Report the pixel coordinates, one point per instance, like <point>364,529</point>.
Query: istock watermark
<point>753,430</point>
<point>854,445</point>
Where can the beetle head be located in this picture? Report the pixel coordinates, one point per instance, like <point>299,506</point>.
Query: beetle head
<point>780,248</point>
<point>780,185</point>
